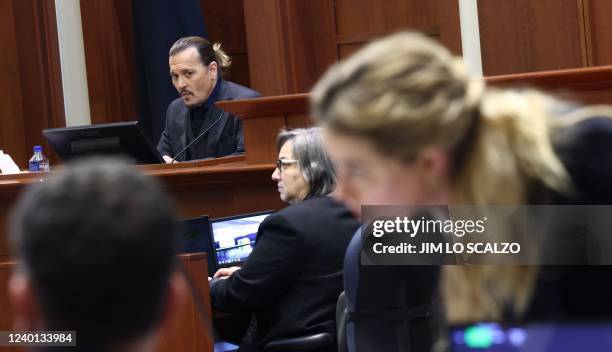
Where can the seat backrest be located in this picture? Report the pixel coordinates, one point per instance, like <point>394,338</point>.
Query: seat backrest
<point>341,315</point>
<point>384,307</point>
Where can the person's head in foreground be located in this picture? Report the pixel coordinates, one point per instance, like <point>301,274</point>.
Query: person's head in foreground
<point>96,249</point>
<point>406,125</point>
<point>303,169</point>
<point>195,68</point>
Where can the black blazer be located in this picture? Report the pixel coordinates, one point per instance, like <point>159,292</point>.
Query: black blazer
<point>223,139</point>
<point>577,292</point>
<point>293,277</point>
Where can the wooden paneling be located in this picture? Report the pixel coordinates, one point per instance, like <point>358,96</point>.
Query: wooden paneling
<point>262,119</point>
<point>191,329</point>
<point>346,50</point>
<point>309,44</point>
<point>30,85</point>
<point>239,72</point>
<point>292,42</point>
<point>365,18</point>
<point>39,71</point>
<point>299,121</point>
<point>11,111</point>
<point>109,53</point>
<point>584,85</point>
<point>266,52</point>
<point>225,24</point>
<point>450,27</point>
<point>599,23</point>
<point>525,35</point>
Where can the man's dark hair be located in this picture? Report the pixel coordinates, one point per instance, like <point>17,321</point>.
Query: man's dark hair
<point>98,242</point>
<point>208,51</point>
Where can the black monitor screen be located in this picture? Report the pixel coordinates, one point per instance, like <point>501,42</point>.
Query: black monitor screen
<point>234,237</point>
<point>196,238</point>
<point>122,138</point>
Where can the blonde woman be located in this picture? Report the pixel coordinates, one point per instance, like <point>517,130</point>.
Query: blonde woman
<point>405,124</point>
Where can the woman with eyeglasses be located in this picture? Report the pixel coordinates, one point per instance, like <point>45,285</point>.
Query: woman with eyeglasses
<point>293,277</point>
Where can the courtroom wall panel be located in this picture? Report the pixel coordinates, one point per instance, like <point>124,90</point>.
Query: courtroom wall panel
<point>225,24</point>
<point>599,36</point>
<point>11,110</point>
<point>291,43</point>
<point>108,39</point>
<point>31,96</point>
<point>525,35</point>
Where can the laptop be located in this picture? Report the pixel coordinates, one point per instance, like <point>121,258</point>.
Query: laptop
<point>195,237</point>
<point>234,237</point>
<point>540,337</point>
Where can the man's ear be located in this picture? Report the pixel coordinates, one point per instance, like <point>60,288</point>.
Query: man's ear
<point>213,69</point>
<point>25,306</point>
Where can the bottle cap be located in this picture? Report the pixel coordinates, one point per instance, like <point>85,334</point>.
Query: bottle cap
<point>37,149</point>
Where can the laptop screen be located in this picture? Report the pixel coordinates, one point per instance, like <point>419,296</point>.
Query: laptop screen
<point>541,337</point>
<point>234,237</point>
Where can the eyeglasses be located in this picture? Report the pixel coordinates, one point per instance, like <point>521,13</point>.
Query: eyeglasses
<point>282,164</point>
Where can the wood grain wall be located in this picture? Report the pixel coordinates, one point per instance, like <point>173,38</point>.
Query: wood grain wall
<point>598,22</point>
<point>291,43</point>
<point>108,40</point>
<point>526,35</point>
<point>31,96</point>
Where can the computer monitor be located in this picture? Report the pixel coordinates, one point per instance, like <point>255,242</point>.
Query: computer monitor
<point>541,337</point>
<point>122,138</point>
<point>196,238</point>
<point>234,237</point>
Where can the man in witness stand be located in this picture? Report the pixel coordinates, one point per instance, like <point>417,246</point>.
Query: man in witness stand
<point>195,70</point>
<point>96,249</point>
<point>293,277</point>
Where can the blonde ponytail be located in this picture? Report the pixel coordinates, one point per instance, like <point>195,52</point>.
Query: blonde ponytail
<point>223,60</point>
<point>512,152</point>
<point>512,148</point>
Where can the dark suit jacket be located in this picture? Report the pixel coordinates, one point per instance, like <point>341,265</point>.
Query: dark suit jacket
<point>223,139</point>
<point>293,277</point>
<point>576,292</point>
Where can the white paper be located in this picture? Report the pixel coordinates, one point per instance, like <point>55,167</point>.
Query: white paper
<point>7,165</point>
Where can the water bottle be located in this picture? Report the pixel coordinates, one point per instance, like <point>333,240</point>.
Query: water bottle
<point>38,162</point>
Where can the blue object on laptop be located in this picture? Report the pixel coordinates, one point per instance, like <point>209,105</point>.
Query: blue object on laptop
<point>540,337</point>
<point>225,347</point>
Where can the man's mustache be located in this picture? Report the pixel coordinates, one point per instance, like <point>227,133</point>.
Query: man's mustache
<point>185,91</point>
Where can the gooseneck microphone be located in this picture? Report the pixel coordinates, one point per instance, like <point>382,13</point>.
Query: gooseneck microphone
<point>195,140</point>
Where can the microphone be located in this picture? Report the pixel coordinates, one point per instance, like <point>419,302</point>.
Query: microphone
<point>195,140</point>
